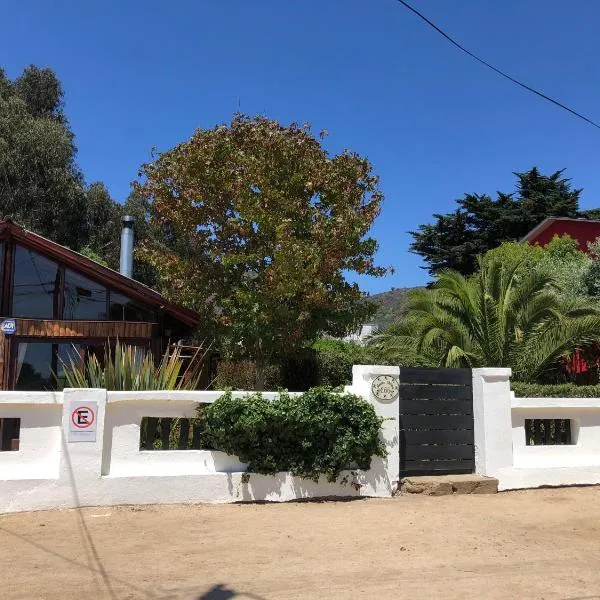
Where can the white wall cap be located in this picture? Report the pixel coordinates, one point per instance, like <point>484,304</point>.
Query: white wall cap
<point>530,403</point>
<point>365,371</point>
<point>31,398</point>
<point>493,373</point>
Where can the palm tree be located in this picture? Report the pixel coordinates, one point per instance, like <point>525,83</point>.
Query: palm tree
<point>502,316</point>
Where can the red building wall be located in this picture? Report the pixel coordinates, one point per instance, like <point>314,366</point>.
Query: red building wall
<point>582,231</point>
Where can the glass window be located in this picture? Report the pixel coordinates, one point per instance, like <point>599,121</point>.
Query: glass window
<point>36,362</point>
<point>1,268</point>
<point>84,299</point>
<point>36,285</point>
<point>125,309</point>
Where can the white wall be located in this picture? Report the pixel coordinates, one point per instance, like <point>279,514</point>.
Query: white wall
<point>48,471</point>
<point>500,443</point>
<point>362,334</point>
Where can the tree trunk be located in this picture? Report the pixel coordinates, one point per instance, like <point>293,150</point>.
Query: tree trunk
<point>261,361</point>
<point>260,375</point>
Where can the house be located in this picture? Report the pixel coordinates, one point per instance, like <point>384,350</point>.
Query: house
<point>583,231</point>
<point>56,304</point>
<point>61,301</point>
<point>363,333</point>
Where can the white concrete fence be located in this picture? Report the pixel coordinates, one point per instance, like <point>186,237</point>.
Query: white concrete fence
<point>57,467</point>
<point>501,450</point>
<point>53,470</point>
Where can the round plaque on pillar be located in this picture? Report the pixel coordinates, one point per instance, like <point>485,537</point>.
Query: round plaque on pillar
<point>385,387</point>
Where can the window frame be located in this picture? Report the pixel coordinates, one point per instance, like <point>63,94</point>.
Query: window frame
<point>8,276</point>
<point>81,341</point>
<point>11,293</point>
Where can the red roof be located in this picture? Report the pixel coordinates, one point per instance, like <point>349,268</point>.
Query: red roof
<point>133,289</point>
<point>583,231</point>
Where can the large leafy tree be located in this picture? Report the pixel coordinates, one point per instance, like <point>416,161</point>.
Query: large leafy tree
<point>102,222</point>
<point>40,184</point>
<point>503,316</point>
<point>261,227</point>
<point>481,222</point>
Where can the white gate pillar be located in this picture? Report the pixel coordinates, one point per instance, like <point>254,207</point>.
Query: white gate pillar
<point>492,420</point>
<point>362,381</point>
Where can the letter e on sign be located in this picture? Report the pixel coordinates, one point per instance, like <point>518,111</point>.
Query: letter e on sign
<point>82,421</point>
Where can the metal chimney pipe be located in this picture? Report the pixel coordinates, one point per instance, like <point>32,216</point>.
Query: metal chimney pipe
<point>126,263</point>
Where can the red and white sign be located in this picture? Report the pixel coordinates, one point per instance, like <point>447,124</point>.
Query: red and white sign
<point>83,417</point>
<point>82,421</point>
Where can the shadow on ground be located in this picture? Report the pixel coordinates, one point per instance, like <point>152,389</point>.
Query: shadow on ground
<point>222,592</point>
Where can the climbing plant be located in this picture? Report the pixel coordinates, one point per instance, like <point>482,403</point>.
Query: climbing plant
<point>319,433</point>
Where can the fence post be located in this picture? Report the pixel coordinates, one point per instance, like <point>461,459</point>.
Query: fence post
<point>362,379</point>
<point>492,420</point>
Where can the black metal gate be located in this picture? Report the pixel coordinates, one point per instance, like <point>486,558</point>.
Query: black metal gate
<point>436,421</point>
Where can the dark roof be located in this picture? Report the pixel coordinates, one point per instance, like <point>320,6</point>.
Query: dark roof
<point>133,289</point>
<point>541,227</point>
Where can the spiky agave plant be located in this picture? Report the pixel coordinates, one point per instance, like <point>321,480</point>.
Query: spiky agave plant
<point>126,368</point>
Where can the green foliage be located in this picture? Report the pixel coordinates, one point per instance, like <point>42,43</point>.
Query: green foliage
<point>93,255</point>
<point>591,278</point>
<point>41,91</point>
<point>131,368</point>
<point>334,361</point>
<point>509,253</point>
<point>567,265</point>
<point>243,375</point>
<point>560,259</point>
<point>264,225</point>
<point>481,222</point>
<point>503,316</point>
<point>328,363</point>
<point>319,433</point>
<point>41,186</point>
<point>103,224</point>
<point>562,390</point>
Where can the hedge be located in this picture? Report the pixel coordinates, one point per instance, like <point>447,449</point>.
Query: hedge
<point>561,390</point>
<point>314,434</point>
<point>242,375</point>
<point>328,363</point>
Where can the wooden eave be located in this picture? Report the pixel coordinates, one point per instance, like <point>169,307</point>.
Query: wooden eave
<point>104,275</point>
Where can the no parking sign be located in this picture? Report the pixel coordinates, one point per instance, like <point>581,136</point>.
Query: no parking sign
<point>82,421</point>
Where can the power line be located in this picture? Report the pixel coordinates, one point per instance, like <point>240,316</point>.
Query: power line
<point>502,73</point>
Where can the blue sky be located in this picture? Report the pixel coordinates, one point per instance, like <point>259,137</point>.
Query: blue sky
<point>142,73</point>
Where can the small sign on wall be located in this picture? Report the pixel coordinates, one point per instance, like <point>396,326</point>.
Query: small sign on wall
<point>8,327</point>
<point>83,417</point>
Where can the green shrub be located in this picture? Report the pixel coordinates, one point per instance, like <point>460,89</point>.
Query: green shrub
<point>131,368</point>
<point>334,361</point>
<point>242,375</point>
<point>328,363</point>
<point>561,390</point>
<point>316,433</point>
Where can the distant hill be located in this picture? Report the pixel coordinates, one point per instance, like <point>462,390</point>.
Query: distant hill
<point>390,305</point>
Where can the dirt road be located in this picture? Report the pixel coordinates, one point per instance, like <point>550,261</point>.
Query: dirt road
<point>542,544</point>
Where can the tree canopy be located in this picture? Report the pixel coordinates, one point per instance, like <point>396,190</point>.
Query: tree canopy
<point>481,222</point>
<point>262,227</point>
<point>560,259</point>
<point>41,186</point>
<point>502,316</point>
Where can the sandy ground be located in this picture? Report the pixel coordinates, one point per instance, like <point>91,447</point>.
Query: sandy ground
<point>533,544</point>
